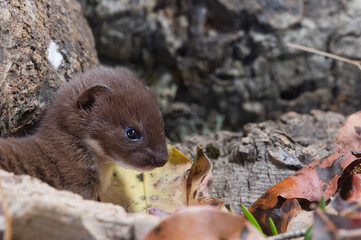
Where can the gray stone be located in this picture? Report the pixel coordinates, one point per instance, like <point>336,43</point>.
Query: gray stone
<point>280,14</point>
<point>42,44</point>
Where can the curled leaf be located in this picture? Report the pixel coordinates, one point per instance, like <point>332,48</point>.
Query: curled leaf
<point>163,188</point>
<point>177,184</point>
<point>200,169</point>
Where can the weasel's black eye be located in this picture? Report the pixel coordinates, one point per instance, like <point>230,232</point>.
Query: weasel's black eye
<point>132,134</point>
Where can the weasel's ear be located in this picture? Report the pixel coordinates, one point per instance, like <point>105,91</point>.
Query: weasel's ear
<point>87,98</point>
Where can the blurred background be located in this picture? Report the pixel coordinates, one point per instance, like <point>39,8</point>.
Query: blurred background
<point>219,64</point>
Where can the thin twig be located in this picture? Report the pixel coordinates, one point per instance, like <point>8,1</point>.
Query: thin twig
<point>287,235</point>
<point>5,208</point>
<point>330,55</point>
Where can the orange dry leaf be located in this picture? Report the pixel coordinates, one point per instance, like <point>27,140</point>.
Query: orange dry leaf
<point>204,223</point>
<point>320,178</point>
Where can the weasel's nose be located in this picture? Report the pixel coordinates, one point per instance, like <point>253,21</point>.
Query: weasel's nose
<point>160,160</point>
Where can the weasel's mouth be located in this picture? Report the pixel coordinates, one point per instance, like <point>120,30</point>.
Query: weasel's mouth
<point>138,162</point>
<point>137,165</point>
<point>143,168</point>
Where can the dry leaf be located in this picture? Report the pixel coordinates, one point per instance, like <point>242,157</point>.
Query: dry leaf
<point>204,223</point>
<point>163,189</point>
<point>320,178</point>
<point>200,168</point>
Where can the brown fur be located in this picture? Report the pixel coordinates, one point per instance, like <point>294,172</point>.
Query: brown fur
<point>83,130</point>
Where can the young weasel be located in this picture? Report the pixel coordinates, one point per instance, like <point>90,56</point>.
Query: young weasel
<point>101,117</point>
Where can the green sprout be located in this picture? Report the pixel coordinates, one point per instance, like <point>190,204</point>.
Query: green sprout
<point>250,218</point>
<point>308,234</point>
<point>229,208</point>
<point>322,204</point>
<point>272,226</point>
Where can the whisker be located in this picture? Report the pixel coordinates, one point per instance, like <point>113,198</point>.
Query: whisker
<point>116,181</point>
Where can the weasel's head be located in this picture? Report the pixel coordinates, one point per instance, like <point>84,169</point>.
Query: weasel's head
<point>116,117</point>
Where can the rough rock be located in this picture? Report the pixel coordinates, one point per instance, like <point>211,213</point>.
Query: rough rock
<point>229,57</point>
<point>38,211</point>
<point>42,44</point>
<point>251,161</point>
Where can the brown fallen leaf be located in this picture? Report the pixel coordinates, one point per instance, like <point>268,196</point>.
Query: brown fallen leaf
<point>201,167</point>
<point>322,177</point>
<point>205,183</point>
<point>204,223</point>
<point>349,135</point>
